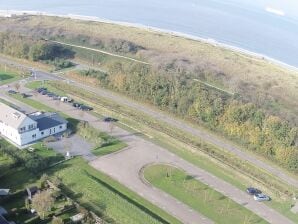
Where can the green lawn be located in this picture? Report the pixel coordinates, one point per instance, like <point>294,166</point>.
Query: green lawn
<point>101,194</point>
<point>33,103</point>
<point>91,188</point>
<point>113,147</point>
<point>8,77</point>
<point>199,196</point>
<point>37,84</point>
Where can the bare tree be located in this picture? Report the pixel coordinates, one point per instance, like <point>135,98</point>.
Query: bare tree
<point>17,86</point>
<point>111,127</point>
<point>42,202</point>
<point>57,220</point>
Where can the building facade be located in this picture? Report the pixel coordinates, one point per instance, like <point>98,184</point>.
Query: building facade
<point>23,129</point>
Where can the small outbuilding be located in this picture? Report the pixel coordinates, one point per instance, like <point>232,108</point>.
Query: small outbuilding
<point>4,192</point>
<point>31,191</point>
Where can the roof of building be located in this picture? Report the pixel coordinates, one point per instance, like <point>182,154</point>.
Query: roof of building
<point>11,116</point>
<point>47,120</point>
<point>4,192</point>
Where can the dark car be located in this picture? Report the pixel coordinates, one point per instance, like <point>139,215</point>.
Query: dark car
<point>39,90</point>
<point>12,92</point>
<point>110,119</point>
<point>44,92</point>
<point>77,105</point>
<point>49,94</point>
<point>24,95</point>
<point>85,108</point>
<point>253,191</point>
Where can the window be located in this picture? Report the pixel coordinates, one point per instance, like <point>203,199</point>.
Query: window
<point>42,133</point>
<point>34,136</point>
<point>60,126</point>
<point>31,126</point>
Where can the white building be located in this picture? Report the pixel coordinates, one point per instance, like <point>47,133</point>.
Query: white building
<point>23,129</point>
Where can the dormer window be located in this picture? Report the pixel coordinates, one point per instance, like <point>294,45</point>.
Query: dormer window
<point>31,126</point>
<point>16,115</point>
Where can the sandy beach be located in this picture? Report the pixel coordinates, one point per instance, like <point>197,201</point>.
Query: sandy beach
<point>244,52</point>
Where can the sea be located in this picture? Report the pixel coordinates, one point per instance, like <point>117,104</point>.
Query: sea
<point>266,27</point>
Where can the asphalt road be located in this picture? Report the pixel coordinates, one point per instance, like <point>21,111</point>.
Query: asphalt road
<point>126,165</point>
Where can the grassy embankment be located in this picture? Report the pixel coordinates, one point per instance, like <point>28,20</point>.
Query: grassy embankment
<point>91,188</point>
<point>198,196</point>
<point>222,164</point>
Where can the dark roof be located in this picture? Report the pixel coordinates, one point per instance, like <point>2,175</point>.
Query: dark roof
<point>32,190</point>
<point>48,120</point>
<point>3,220</point>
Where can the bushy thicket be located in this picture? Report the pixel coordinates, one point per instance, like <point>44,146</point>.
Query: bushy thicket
<point>28,48</point>
<point>31,161</point>
<point>178,92</point>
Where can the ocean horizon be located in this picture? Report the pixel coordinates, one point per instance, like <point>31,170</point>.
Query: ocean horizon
<point>260,32</point>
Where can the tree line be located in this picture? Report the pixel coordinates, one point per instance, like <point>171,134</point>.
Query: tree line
<point>35,49</point>
<point>178,92</point>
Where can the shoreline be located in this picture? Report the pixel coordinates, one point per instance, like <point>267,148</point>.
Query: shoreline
<point>215,43</point>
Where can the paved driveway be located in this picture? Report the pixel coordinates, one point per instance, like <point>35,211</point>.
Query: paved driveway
<point>76,145</point>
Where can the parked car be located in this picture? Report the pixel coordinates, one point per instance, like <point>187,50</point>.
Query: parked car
<point>39,90</point>
<point>56,97</point>
<point>44,92</point>
<point>261,197</point>
<point>77,105</point>
<point>253,191</point>
<point>63,99</point>
<point>11,91</point>
<point>85,108</point>
<point>24,95</point>
<point>49,94</point>
<point>110,119</point>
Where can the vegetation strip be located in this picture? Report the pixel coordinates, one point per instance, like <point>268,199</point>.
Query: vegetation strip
<point>198,196</point>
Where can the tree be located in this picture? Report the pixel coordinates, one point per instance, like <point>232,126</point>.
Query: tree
<point>57,220</point>
<point>42,202</point>
<point>43,180</point>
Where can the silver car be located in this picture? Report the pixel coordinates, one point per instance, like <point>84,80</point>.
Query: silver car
<point>261,197</point>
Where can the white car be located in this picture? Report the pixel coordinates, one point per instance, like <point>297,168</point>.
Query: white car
<point>261,197</point>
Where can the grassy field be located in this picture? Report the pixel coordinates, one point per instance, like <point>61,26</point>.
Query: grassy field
<point>198,196</point>
<point>91,188</point>
<point>103,195</point>
<point>115,146</point>
<point>8,77</point>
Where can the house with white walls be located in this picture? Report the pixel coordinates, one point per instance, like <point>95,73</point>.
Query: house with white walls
<point>23,129</point>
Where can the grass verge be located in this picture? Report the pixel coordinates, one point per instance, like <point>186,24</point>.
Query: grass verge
<point>198,196</point>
